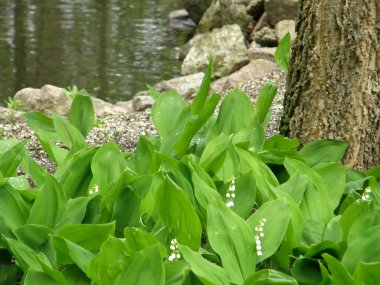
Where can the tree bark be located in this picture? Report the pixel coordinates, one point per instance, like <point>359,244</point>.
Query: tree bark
<point>333,86</point>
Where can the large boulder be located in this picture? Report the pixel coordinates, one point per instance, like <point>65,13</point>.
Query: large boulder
<point>256,51</point>
<point>265,37</point>
<point>224,12</point>
<point>279,10</point>
<point>225,45</point>
<point>283,27</point>
<point>51,99</point>
<point>196,8</point>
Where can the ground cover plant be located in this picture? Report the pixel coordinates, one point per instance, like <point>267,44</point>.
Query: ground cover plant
<point>211,200</point>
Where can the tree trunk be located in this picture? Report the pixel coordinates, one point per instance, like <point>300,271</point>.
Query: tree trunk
<point>333,86</point>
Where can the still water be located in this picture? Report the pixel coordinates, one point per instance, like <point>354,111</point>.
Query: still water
<point>111,48</point>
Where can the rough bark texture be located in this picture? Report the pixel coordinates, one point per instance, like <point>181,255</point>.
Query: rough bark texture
<point>333,86</point>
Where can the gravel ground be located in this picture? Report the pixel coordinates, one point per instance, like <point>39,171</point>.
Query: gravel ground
<point>125,130</point>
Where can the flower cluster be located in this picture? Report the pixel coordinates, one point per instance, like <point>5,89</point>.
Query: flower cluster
<point>231,193</point>
<point>94,190</point>
<point>366,195</point>
<point>259,233</point>
<point>175,253</point>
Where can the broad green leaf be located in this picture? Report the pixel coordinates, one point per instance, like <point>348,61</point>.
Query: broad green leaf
<point>245,192</point>
<point>107,165</point>
<point>25,256</point>
<point>270,277</point>
<point>323,151</point>
<point>20,183</point>
<point>213,156</point>
<point>142,268</point>
<point>235,112</point>
<point>276,216</point>
<point>69,252</point>
<point>165,110</point>
<point>334,231</point>
<point>75,211</point>
<point>68,134</point>
<point>11,158</point>
<point>178,214</point>
<point>367,273</point>
<point>33,235</point>
<point>138,239</point>
<point>233,240</point>
<point>201,97</point>
<point>52,200</point>
<point>82,114</point>
<point>74,276</point>
<point>13,208</point>
<point>339,273</point>
<point>334,176</point>
<point>365,248</point>
<point>75,175</point>
<point>265,179</point>
<point>111,258</point>
<point>282,53</point>
<point>142,160</point>
<point>195,123</point>
<point>264,102</point>
<point>209,273</point>
<point>307,271</point>
<point>88,236</point>
<point>36,277</point>
<point>42,125</point>
<point>176,272</point>
<point>56,153</point>
<point>9,274</point>
<point>313,231</point>
<point>279,142</point>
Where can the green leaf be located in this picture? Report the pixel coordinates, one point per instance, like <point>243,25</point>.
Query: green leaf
<point>57,154</point>
<point>235,112</point>
<point>69,252</point>
<point>82,114</point>
<point>165,110</point>
<point>245,195</point>
<point>25,256</point>
<point>52,200</point>
<point>13,208</point>
<point>209,273</point>
<point>323,151</point>
<point>270,277</point>
<point>201,97</point>
<point>75,175</point>
<point>33,236</point>
<point>367,273</point>
<point>142,160</point>
<point>75,211</point>
<point>111,258</point>
<point>176,272</point>
<point>42,125</point>
<point>11,158</point>
<point>276,216</point>
<point>230,237</point>
<point>9,274</point>
<point>279,142</point>
<point>88,236</point>
<point>264,102</point>
<point>107,165</point>
<point>148,261</point>
<point>213,156</point>
<point>68,134</point>
<point>138,239</point>
<point>307,271</point>
<point>282,53</point>
<point>339,273</point>
<point>365,248</point>
<point>178,214</point>
<point>36,277</point>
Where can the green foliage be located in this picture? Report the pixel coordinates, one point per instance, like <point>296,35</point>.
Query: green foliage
<point>211,200</point>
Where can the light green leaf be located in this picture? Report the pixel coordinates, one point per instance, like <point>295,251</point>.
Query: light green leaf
<point>201,97</point>
<point>176,272</point>
<point>264,102</point>
<point>33,236</point>
<point>282,53</point>
<point>270,277</point>
<point>11,158</point>
<point>339,273</point>
<point>233,240</point>
<point>209,273</point>
<point>147,261</point>
<point>367,273</point>
<point>36,277</point>
<point>82,114</point>
<point>138,239</point>
<point>178,214</point>
<point>68,134</point>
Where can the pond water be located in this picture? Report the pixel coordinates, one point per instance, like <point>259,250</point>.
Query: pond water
<point>111,48</point>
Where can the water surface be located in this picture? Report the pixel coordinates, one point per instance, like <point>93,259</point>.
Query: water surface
<point>112,48</point>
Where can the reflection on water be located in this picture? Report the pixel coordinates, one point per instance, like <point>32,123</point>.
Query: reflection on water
<point>112,48</point>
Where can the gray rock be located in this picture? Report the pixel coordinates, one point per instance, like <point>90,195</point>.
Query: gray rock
<point>257,52</point>
<point>265,37</point>
<point>224,12</point>
<point>142,102</point>
<point>255,8</point>
<point>225,45</point>
<point>283,27</point>
<point>279,10</point>
<point>254,71</point>
<point>10,116</point>
<point>103,108</point>
<point>187,47</point>
<point>126,105</point>
<point>49,99</point>
<point>184,85</point>
<point>178,14</point>
<point>196,8</point>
